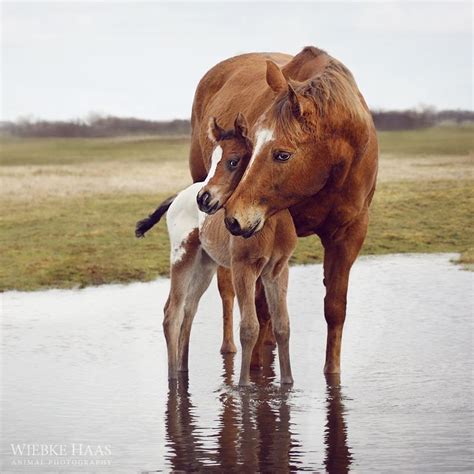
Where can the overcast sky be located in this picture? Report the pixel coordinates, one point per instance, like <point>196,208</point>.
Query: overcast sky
<point>65,60</point>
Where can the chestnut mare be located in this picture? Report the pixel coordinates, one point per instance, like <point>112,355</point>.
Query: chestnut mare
<point>200,243</point>
<point>315,153</point>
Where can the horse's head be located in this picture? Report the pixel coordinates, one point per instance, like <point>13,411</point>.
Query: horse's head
<point>232,150</point>
<point>306,140</point>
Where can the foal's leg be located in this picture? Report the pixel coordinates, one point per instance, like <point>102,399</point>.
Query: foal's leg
<point>181,276</point>
<point>174,314</point>
<point>339,255</point>
<point>276,290</point>
<point>203,271</point>
<point>269,339</point>
<point>245,277</point>
<point>226,290</point>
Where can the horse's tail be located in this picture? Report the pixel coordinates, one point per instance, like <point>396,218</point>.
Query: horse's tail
<point>146,224</point>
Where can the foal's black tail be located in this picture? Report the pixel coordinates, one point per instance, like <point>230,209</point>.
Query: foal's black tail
<point>146,224</point>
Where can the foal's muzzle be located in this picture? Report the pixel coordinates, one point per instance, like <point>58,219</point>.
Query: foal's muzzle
<point>206,203</point>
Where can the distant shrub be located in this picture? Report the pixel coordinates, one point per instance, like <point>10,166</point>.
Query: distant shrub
<point>98,126</point>
<point>413,119</point>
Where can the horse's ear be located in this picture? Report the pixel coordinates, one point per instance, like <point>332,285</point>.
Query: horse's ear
<point>240,125</point>
<point>275,78</point>
<point>296,104</point>
<point>215,132</point>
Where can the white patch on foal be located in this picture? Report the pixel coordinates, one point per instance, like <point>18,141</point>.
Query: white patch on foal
<point>184,215</point>
<point>215,159</point>
<point>182,218</point>
<point>263,135</point>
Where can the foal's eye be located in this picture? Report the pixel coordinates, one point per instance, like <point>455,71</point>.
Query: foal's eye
<point>233,163</point>
<point>281,155</point>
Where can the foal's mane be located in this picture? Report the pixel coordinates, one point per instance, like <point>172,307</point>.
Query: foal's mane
<point>232,134</point>
<point>228,135</point>
<point>335,97</point>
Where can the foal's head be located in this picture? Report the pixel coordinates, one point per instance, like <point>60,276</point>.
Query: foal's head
<point>232,150</point>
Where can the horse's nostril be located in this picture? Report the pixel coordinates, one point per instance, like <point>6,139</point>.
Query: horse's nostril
<point>233,225</point>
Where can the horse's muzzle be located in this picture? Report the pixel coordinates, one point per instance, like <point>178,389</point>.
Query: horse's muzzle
<point>233,226</point>
<point>206,204</point>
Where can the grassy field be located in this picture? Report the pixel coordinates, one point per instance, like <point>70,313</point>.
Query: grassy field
<point>69,206</point>
<point>429,141</point>
<point>64,151</point>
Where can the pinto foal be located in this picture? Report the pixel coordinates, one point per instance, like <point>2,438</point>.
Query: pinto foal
<point>200,243</point>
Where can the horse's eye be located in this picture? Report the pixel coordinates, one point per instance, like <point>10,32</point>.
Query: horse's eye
<point>232,164</point>
<point>281,155</point>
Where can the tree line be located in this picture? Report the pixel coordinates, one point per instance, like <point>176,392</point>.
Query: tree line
<point>117,126</point>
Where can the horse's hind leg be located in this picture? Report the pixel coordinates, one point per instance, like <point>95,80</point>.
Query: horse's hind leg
<point>174,314</point>
<point>181,276</point>
<point>226,290</point>
<point>204,269</point>
<point>264,321</point>
<point>276,290</point>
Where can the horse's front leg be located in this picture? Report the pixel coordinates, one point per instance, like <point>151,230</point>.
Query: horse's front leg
<point>340,252</point>
<point>276,287</point>
<point>245,278</point>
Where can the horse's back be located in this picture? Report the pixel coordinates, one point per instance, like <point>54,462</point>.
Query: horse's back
<point>226,89</point>
<point>244,69</point>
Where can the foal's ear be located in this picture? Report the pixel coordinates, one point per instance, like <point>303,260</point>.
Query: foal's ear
<point>240,125</point>
<point>214,131</point>
<point>275,78</point>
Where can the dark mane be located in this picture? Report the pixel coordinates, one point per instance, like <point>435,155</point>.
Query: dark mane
<point>313,50</point>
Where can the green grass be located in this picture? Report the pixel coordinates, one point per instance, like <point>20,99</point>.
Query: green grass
<point>79,241</point>
<point>90,241</point>
<point>429,141</point>
<point>67,151</point>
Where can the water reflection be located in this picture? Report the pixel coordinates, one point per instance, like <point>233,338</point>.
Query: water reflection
<point>254,432</point>
<point>338,455</point>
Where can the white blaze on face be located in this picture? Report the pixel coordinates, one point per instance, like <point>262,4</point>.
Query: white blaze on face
<point>215,159</point>
<point>263,136</point>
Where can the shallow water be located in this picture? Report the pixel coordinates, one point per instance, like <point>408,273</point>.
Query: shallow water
<point>88,367</point>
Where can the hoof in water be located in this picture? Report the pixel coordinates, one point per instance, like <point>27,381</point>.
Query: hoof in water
<point>331,369</point>
<point>228,347</point>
